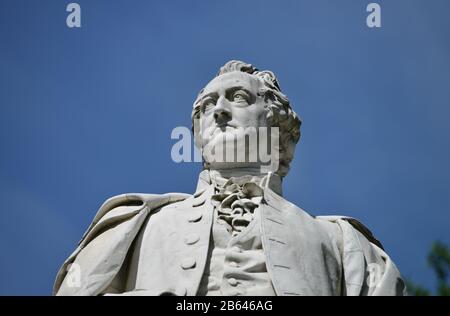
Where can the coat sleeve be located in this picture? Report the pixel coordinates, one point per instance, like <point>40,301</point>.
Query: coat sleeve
<point>103,248</point>
<point>367,269</point>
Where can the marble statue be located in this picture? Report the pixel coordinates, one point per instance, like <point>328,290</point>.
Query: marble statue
<point>236,235</point>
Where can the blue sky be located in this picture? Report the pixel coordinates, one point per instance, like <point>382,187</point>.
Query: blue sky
<point>87,113</point>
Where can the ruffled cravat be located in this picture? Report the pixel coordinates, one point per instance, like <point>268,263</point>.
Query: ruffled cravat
<point>236,200</point>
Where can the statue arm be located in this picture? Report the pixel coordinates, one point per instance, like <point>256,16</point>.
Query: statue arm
<point>102,250</point>
<point>368,270</point>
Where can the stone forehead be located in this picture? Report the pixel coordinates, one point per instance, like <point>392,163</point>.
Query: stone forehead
<point>235,78</point>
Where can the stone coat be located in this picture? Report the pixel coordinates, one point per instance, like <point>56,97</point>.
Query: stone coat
<point>305,255</point>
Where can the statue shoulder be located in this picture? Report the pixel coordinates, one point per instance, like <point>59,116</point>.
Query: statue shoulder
<point>139,200</point>
<point>356,224</point>
<point>125,205</point>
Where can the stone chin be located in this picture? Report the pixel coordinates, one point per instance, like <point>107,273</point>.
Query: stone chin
<point>234,140</point>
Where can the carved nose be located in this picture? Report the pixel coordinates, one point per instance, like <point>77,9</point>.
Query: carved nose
<point>221,112</point>
<point>222,116</point>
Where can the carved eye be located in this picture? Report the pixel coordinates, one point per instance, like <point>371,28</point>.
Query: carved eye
<point>207,104</point>
<point>239,96</point>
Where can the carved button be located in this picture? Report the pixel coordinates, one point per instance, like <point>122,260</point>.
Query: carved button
<point>182,291</point>
<point>232,281</point>
<point>212,285</point>
<point>233,264</point>
<point>191,239</point>
<point>188,263</point>
<point>198,203</point>
<point>236,249</point>
<point>195,217</point>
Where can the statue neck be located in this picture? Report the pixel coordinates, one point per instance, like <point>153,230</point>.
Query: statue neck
<point>270,180</point>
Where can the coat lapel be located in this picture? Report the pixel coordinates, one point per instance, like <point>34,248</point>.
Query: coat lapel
<point>293,259</point>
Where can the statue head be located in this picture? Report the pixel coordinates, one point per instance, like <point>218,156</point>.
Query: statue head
<point>241,97</point>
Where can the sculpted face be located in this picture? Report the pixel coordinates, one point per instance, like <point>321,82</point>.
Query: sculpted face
<point>229,104</point>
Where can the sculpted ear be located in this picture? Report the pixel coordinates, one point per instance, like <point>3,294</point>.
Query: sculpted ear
<point>196,130</point>
<point>196,125</point>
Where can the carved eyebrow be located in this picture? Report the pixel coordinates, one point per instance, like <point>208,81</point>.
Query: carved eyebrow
<point>213,95</point>
<point>228,93</point>
<point>237,88</point>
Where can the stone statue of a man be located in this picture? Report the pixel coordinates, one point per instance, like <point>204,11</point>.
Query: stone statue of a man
<point>236,235</point>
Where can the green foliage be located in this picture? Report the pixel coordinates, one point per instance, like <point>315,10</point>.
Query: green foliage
<point>444,290</point>
<point>415,289</point>
<point>439,261</point>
